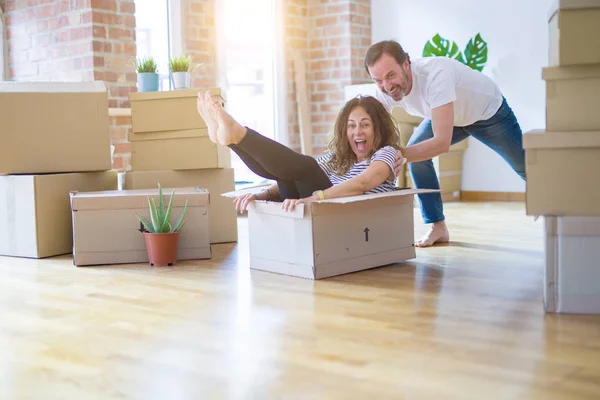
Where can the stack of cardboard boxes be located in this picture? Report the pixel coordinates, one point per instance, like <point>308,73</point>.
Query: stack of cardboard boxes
<point>170,146</point>
<point>54,139</point>
<point>448,166</point>
<point>562,162</point>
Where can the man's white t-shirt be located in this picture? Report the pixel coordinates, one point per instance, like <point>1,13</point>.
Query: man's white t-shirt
<point>441,80</point>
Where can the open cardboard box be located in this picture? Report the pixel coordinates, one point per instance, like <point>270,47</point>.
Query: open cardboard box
<point>332,236</point>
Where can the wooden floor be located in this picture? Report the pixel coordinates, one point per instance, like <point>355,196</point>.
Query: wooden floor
<point>462,321</point>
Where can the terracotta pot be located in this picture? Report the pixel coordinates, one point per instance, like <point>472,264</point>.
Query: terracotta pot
<point>162,248</point>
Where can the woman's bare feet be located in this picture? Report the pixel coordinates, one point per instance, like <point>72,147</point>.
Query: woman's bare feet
<point>222,128</point>
<point>437,234</point>
<point>210,119</point>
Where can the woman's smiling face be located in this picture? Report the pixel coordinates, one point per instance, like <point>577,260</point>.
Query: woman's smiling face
<point>360,133</point>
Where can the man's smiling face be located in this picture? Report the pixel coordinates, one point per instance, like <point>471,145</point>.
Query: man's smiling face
<point>393,79</point>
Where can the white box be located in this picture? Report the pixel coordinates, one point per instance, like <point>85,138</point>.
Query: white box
<point>332,236</point>
<point>572,274</point>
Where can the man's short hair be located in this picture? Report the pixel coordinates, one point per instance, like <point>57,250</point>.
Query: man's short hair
<point>390,47</point>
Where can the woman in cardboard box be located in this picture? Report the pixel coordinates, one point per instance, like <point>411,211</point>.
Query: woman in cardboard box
<point>361,159</point>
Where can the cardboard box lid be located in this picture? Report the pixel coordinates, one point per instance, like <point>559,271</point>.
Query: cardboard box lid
<point>559,5</point>
<point>171,94</point>
<point>590,71</point>
<point>572,226</point>
<point>52,87</point>
<point>540,139</point>
<point>268,208</point>
<point>138,198</point>
<point>179,134</point>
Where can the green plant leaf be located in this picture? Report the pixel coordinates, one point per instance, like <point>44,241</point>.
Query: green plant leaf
<point>437,46</point>
<point>146,64</point>
<point>154,216</point>
<point>179,224</point>
<point>146,224</point>
<point>476,53</point>
<point>167,221</point>
<point>161,207</point>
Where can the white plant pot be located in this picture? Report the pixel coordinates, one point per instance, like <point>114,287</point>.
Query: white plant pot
<point>181,80</point>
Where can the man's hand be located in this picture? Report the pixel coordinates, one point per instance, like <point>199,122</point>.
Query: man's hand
<point>399,161</point>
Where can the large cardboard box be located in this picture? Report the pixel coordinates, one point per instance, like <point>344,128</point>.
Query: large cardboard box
<point>177,150</point>
<point>35,216</point>
<point>223,217</point>
<point>562,173</point>
<point>572,273</point>
<point>572,98</point>
<point>106,230</point>
<point>332,236</point>
<point>167,110</point>
<point>448,167</point>
<point>53,127</point>
<point>573,32</point>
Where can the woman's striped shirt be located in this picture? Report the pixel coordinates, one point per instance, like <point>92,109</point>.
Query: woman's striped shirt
<point>386,154</point>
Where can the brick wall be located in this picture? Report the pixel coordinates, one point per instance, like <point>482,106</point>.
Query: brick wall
<point>339,36</point>
<point>296,25</point>
<point>199,39</point>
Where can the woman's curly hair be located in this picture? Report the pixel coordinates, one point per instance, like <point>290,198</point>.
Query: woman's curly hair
<point>385,132</point>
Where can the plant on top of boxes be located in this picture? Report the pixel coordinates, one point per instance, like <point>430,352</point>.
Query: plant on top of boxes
<point>181,69</point>
<point>161,236</point>
<point>147,70</point>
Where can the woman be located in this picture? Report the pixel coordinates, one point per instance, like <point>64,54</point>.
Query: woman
<point>361,158</point>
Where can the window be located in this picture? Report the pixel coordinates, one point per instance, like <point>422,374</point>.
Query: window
<point>250,69</point>
<point>155,36</point>
<point>3,48</point>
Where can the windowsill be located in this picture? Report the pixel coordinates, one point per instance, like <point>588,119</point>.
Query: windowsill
<point>119,112</point>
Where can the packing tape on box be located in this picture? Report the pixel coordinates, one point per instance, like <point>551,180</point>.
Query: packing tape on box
<point>11,216</point>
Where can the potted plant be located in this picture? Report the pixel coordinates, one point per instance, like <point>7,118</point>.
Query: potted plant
<point>181,69</point>
<point>162,238</point>
<point>147,70</point>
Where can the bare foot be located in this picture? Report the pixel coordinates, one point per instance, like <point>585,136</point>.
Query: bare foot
<point>209,118</point>
<point>228,129</point>
<point>437,234</point>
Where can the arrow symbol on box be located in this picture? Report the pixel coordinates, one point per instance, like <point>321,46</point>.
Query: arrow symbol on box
<point>366,234</point>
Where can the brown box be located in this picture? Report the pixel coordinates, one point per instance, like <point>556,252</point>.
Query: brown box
<point>572,98</point>
<point>167,110</point>
<point>35,216</point>
<point>54,127</point>
<point>177,150</point>
<point>332,236</point>
<point>223,217</point>
<point>573,33</point>
<point>106,230</point>
<point>562,173</point>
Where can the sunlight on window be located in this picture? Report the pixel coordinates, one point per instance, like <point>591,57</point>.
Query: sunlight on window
<point>152,36</point>
<point>246,36</point>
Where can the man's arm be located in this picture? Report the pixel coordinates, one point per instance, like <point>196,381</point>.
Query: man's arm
<point>442,121</point>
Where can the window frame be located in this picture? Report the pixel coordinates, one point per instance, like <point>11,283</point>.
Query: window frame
<point>3,47</point>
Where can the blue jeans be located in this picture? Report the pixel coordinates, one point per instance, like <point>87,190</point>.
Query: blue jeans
<point>501,133</point>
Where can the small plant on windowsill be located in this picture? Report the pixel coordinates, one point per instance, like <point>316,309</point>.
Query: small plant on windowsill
<point>162,238</point>
<point>147,71</point>
<point>181,69</point>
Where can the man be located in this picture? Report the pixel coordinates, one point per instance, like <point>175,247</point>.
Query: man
<point>455,102</point>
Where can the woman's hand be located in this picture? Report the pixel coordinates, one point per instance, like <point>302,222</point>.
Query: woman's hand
<point>290,204</point>
<point>241,203</point>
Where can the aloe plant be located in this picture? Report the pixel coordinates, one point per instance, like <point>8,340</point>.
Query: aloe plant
<point>474,55</point>
<point>160,219</point>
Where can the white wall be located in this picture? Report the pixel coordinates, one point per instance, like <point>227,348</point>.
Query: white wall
<point>517,35</point>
